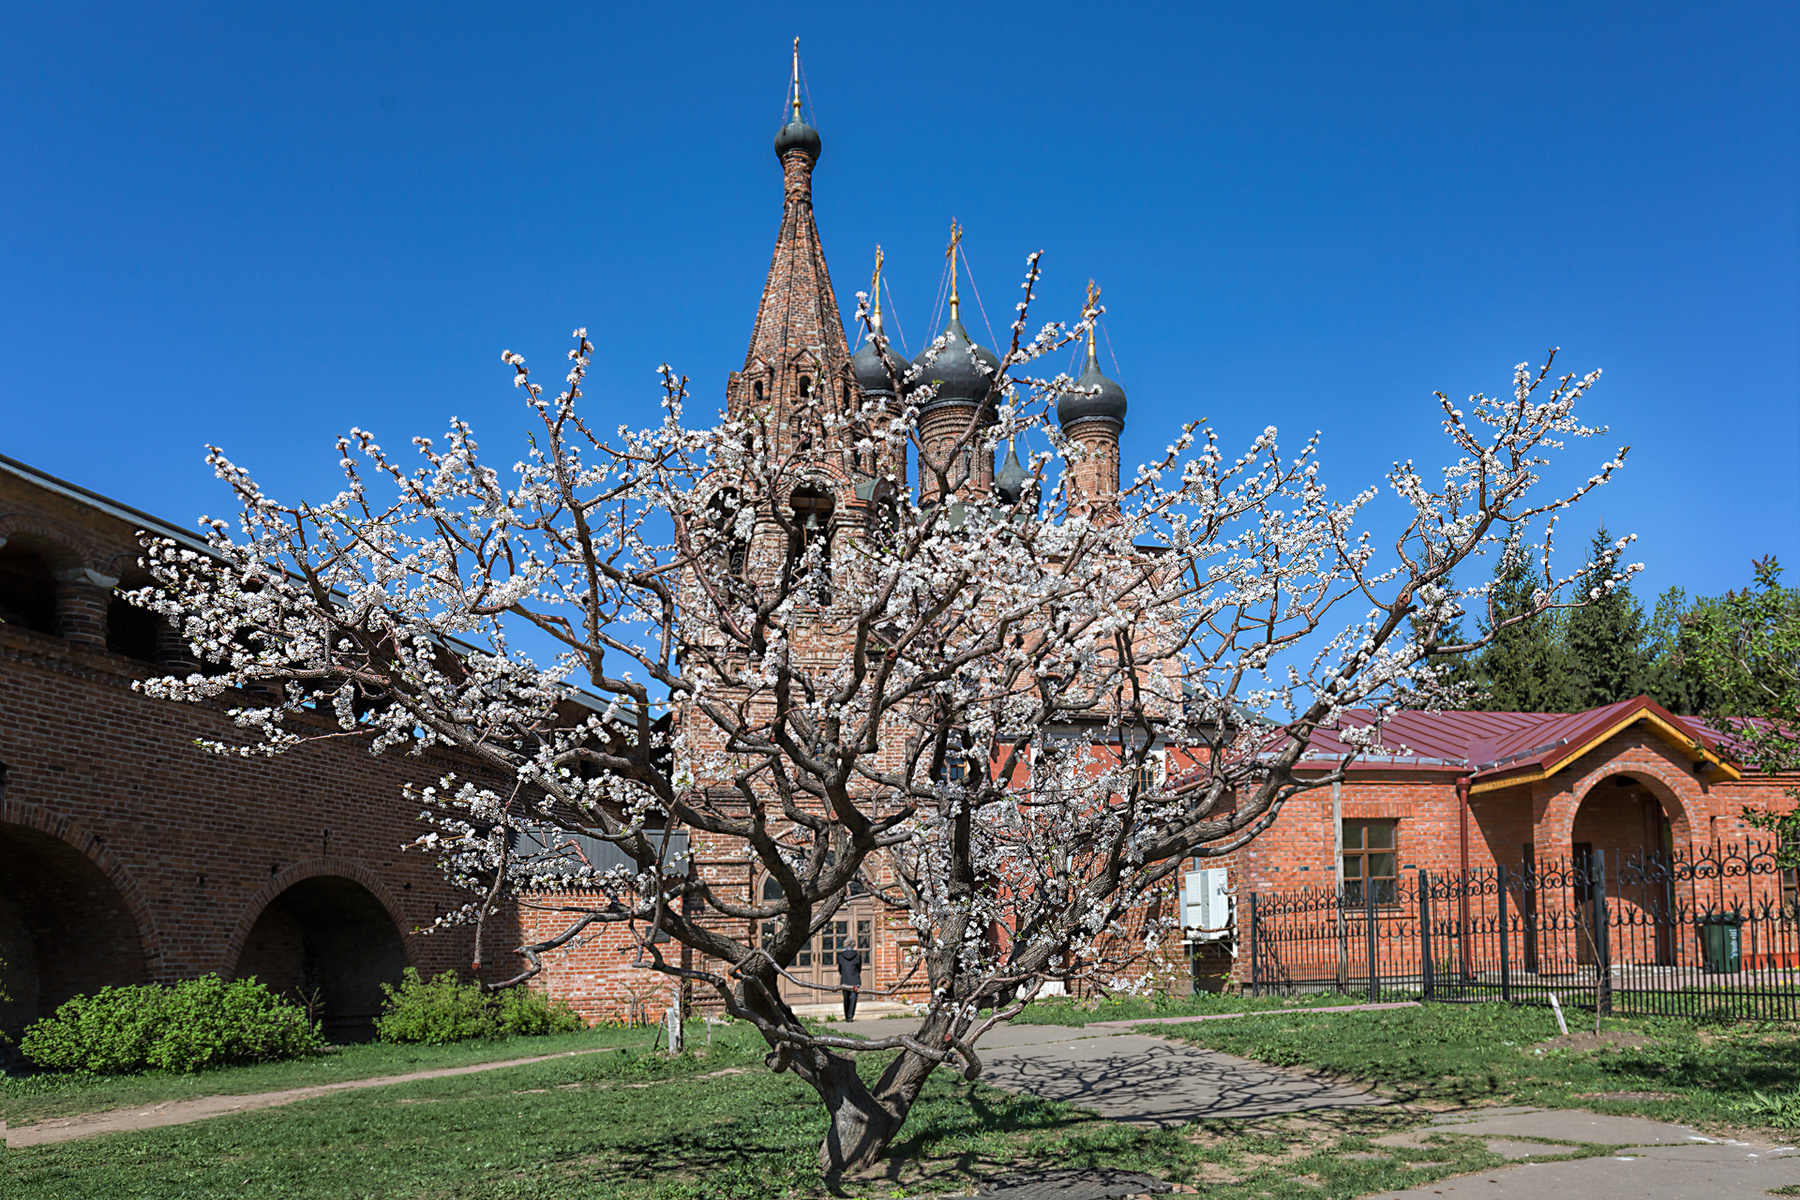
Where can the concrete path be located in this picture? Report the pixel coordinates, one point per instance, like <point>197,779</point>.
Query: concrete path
<point>181,1112</point>
<point>1148,1081</point>
<point>1144,1080</point>
<point>1659,1161</point>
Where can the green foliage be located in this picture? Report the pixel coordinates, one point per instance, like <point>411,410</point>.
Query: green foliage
<point>1781,1111</point>
<point>443,1009</point>
<point>1525,667</point>
<point>1749,645</point>
<point>1458,671</point>
<point>1604,640</point>
<point>1490,1053</point>
<point>203,1022</point>
<point>46,1095</point>
<point>572,1129</point>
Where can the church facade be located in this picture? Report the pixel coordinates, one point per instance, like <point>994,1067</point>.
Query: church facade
<point>1470,791</point>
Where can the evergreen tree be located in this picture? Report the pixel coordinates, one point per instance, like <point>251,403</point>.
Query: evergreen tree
<point>1604,638</point>
<point>1461,672</point>
<point>1524,667</point>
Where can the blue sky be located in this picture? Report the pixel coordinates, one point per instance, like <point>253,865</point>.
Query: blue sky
<point>259,226</point>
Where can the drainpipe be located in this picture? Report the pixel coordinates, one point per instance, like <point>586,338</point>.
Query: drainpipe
<point>1462,904</point>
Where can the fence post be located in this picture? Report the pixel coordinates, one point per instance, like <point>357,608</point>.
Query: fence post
<point>1425,979</point>
<point>1255,952</point>
<point>1369,932</point>
<point>1602,945</point>
<point>1505,952</point>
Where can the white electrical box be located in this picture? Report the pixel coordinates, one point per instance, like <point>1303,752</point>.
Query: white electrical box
<point>1206,909</point>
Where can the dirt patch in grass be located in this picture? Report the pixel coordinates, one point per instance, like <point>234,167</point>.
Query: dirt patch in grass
<point>1586,1041</point>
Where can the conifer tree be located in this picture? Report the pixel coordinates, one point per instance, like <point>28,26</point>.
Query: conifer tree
<point>1459,673</point>
<point>1524,668</point>
<point>1604,639</point>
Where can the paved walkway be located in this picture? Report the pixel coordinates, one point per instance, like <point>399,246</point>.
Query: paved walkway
<point>1147,1081</point>
<point>181,1112</point>
<point>1658,1161</point>
<point>1144,1080</point>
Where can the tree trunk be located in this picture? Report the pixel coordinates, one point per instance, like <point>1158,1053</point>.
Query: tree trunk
<point>864,1120</point>
<point>861,1125</point>
<point>861,1128</point>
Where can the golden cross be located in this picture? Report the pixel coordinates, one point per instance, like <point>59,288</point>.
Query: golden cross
<point>875,281</point>
<point>796,79</point>
<point>955,239</point>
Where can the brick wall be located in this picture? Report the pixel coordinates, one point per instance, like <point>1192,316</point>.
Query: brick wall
<point>128,854</point>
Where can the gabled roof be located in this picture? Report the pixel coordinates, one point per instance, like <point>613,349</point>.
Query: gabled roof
<point>1500,749</point>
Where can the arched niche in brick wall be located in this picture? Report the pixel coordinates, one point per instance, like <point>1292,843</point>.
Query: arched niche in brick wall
<point>1632,800</point>
<point>71,923</point>
<point>323,938</point>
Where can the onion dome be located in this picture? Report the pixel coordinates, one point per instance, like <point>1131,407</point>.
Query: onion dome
<point>961,371</point>
<point>1098,397</point>
<point>871,373</point>
<point>1010,483</point>
<point>797,135</point>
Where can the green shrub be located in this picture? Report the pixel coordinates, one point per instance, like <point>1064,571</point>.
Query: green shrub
<point>203,1022</point>
<point>530,1013</point>
<point>443,1009</point>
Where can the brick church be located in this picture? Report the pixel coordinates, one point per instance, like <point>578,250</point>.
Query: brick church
<point>128,856</point>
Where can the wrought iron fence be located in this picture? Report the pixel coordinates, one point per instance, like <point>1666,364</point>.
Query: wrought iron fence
<point>1714,933</point>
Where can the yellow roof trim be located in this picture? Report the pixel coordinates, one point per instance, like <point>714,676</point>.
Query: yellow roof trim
<point>1666,731</point>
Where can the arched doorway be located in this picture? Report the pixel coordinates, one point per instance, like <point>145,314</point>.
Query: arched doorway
<point>65,930</point>
<point>853,925</point>
<point>329,944</point>
<point>1625,824</point>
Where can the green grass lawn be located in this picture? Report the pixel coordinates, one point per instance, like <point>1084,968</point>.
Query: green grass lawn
<point>646,1127</point>
<point>1446,1054</point>
<point>28,1099</point>
<point>639,1125</point>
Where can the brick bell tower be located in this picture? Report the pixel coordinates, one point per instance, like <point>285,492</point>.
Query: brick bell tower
<point>797,368</point>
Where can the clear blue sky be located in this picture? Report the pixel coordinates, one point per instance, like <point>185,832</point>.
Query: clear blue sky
<point>260,225</point>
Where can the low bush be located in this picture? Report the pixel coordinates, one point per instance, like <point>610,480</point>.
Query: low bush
<point>203,1022</point>
<point>443,1009</point>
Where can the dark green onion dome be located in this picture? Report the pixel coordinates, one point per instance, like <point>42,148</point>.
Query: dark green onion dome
<point>797,135</point>
<point>1011,481</point>
<point>1099,396</point>
<point>954,370</point>
<point>871,373</point>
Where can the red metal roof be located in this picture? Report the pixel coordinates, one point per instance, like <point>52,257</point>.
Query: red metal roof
<point>1495,747</point>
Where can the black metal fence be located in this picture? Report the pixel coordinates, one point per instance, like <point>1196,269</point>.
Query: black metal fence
<point>1714,933</point>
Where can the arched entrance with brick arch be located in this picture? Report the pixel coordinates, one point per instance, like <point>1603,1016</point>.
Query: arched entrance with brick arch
<point>72,921</point>
<point>324,934</point>
<point>1627,826</point>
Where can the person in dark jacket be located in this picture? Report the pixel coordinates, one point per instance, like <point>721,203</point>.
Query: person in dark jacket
<point>850,965</point>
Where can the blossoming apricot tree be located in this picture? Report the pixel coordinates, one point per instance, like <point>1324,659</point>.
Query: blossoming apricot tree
<point>949,704</point>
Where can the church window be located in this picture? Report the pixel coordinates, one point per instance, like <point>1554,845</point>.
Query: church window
<point>759,392</point>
